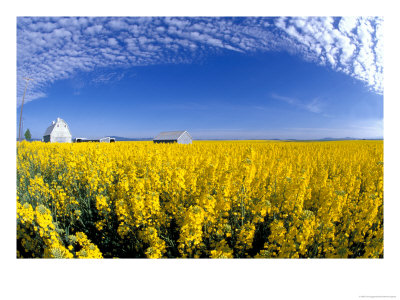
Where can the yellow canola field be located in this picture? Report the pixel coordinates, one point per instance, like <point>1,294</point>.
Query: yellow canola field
<point>262,199</point>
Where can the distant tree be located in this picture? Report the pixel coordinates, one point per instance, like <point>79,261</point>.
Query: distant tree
<point>28,135</point>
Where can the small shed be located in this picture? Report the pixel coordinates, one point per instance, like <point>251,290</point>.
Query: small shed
<point>107,140</point>
<point>58,132</point>
<point>180,137</point>
<point>80,140</point>
<point>102,140</point>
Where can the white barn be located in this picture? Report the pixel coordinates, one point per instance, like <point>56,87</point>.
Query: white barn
<point>180,137</point>
<point>107,139</point>
<point>58,132</point>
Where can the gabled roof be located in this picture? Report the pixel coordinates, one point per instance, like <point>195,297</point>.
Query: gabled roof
<point>169,135</point>
<point>49,129</point>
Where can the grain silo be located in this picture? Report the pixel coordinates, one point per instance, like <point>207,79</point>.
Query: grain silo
<point>180,137</point>
<point>58,132</point>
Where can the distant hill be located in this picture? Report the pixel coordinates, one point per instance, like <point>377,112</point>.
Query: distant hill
<point>337,139</point>
<point>124,139</point>
<point>117,138</point>
<point>346,138</point>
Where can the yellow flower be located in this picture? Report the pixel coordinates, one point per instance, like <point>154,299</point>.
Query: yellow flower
<point>209,199</point>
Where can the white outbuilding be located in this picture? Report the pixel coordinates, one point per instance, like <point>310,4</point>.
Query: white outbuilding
<point>58,132</point>
<point>180,137</point>
<point>107,139</point>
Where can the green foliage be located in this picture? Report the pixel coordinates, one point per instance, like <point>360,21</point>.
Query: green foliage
<point>28,135</point>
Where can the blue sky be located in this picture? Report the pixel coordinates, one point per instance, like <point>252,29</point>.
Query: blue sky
<point>232,78</point>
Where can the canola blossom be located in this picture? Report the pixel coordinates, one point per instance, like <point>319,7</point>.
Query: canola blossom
<point>239,199</point>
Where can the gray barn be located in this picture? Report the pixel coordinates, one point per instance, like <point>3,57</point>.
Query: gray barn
<point>180,137</point>
<point>58,132</point>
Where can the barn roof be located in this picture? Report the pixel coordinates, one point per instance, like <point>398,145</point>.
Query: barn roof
<point>49,129</point>
<point>169,135</point>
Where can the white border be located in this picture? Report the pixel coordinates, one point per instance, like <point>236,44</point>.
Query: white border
<point>195,279</point>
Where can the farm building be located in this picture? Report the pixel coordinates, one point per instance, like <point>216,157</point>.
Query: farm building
<point>102,140</point>
<point>107,140</point>
<point>180,137</point>
<point>57,132</point>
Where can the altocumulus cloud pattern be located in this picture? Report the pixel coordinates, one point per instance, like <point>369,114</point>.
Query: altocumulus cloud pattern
<point>50,49</point>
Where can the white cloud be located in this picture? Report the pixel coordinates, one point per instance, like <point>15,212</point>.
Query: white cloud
<point>50,49</point>
<point>112,42</point>
<point>348,48</point>
<point>286,99</point>
<point>61,33</point>
<point>117,24</point>
<point>94,29</point>
<point>314,106</point>
<point>347,24</point>
<point>103,78</point>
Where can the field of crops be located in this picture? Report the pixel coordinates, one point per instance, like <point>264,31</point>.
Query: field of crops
<point>209,199</point>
